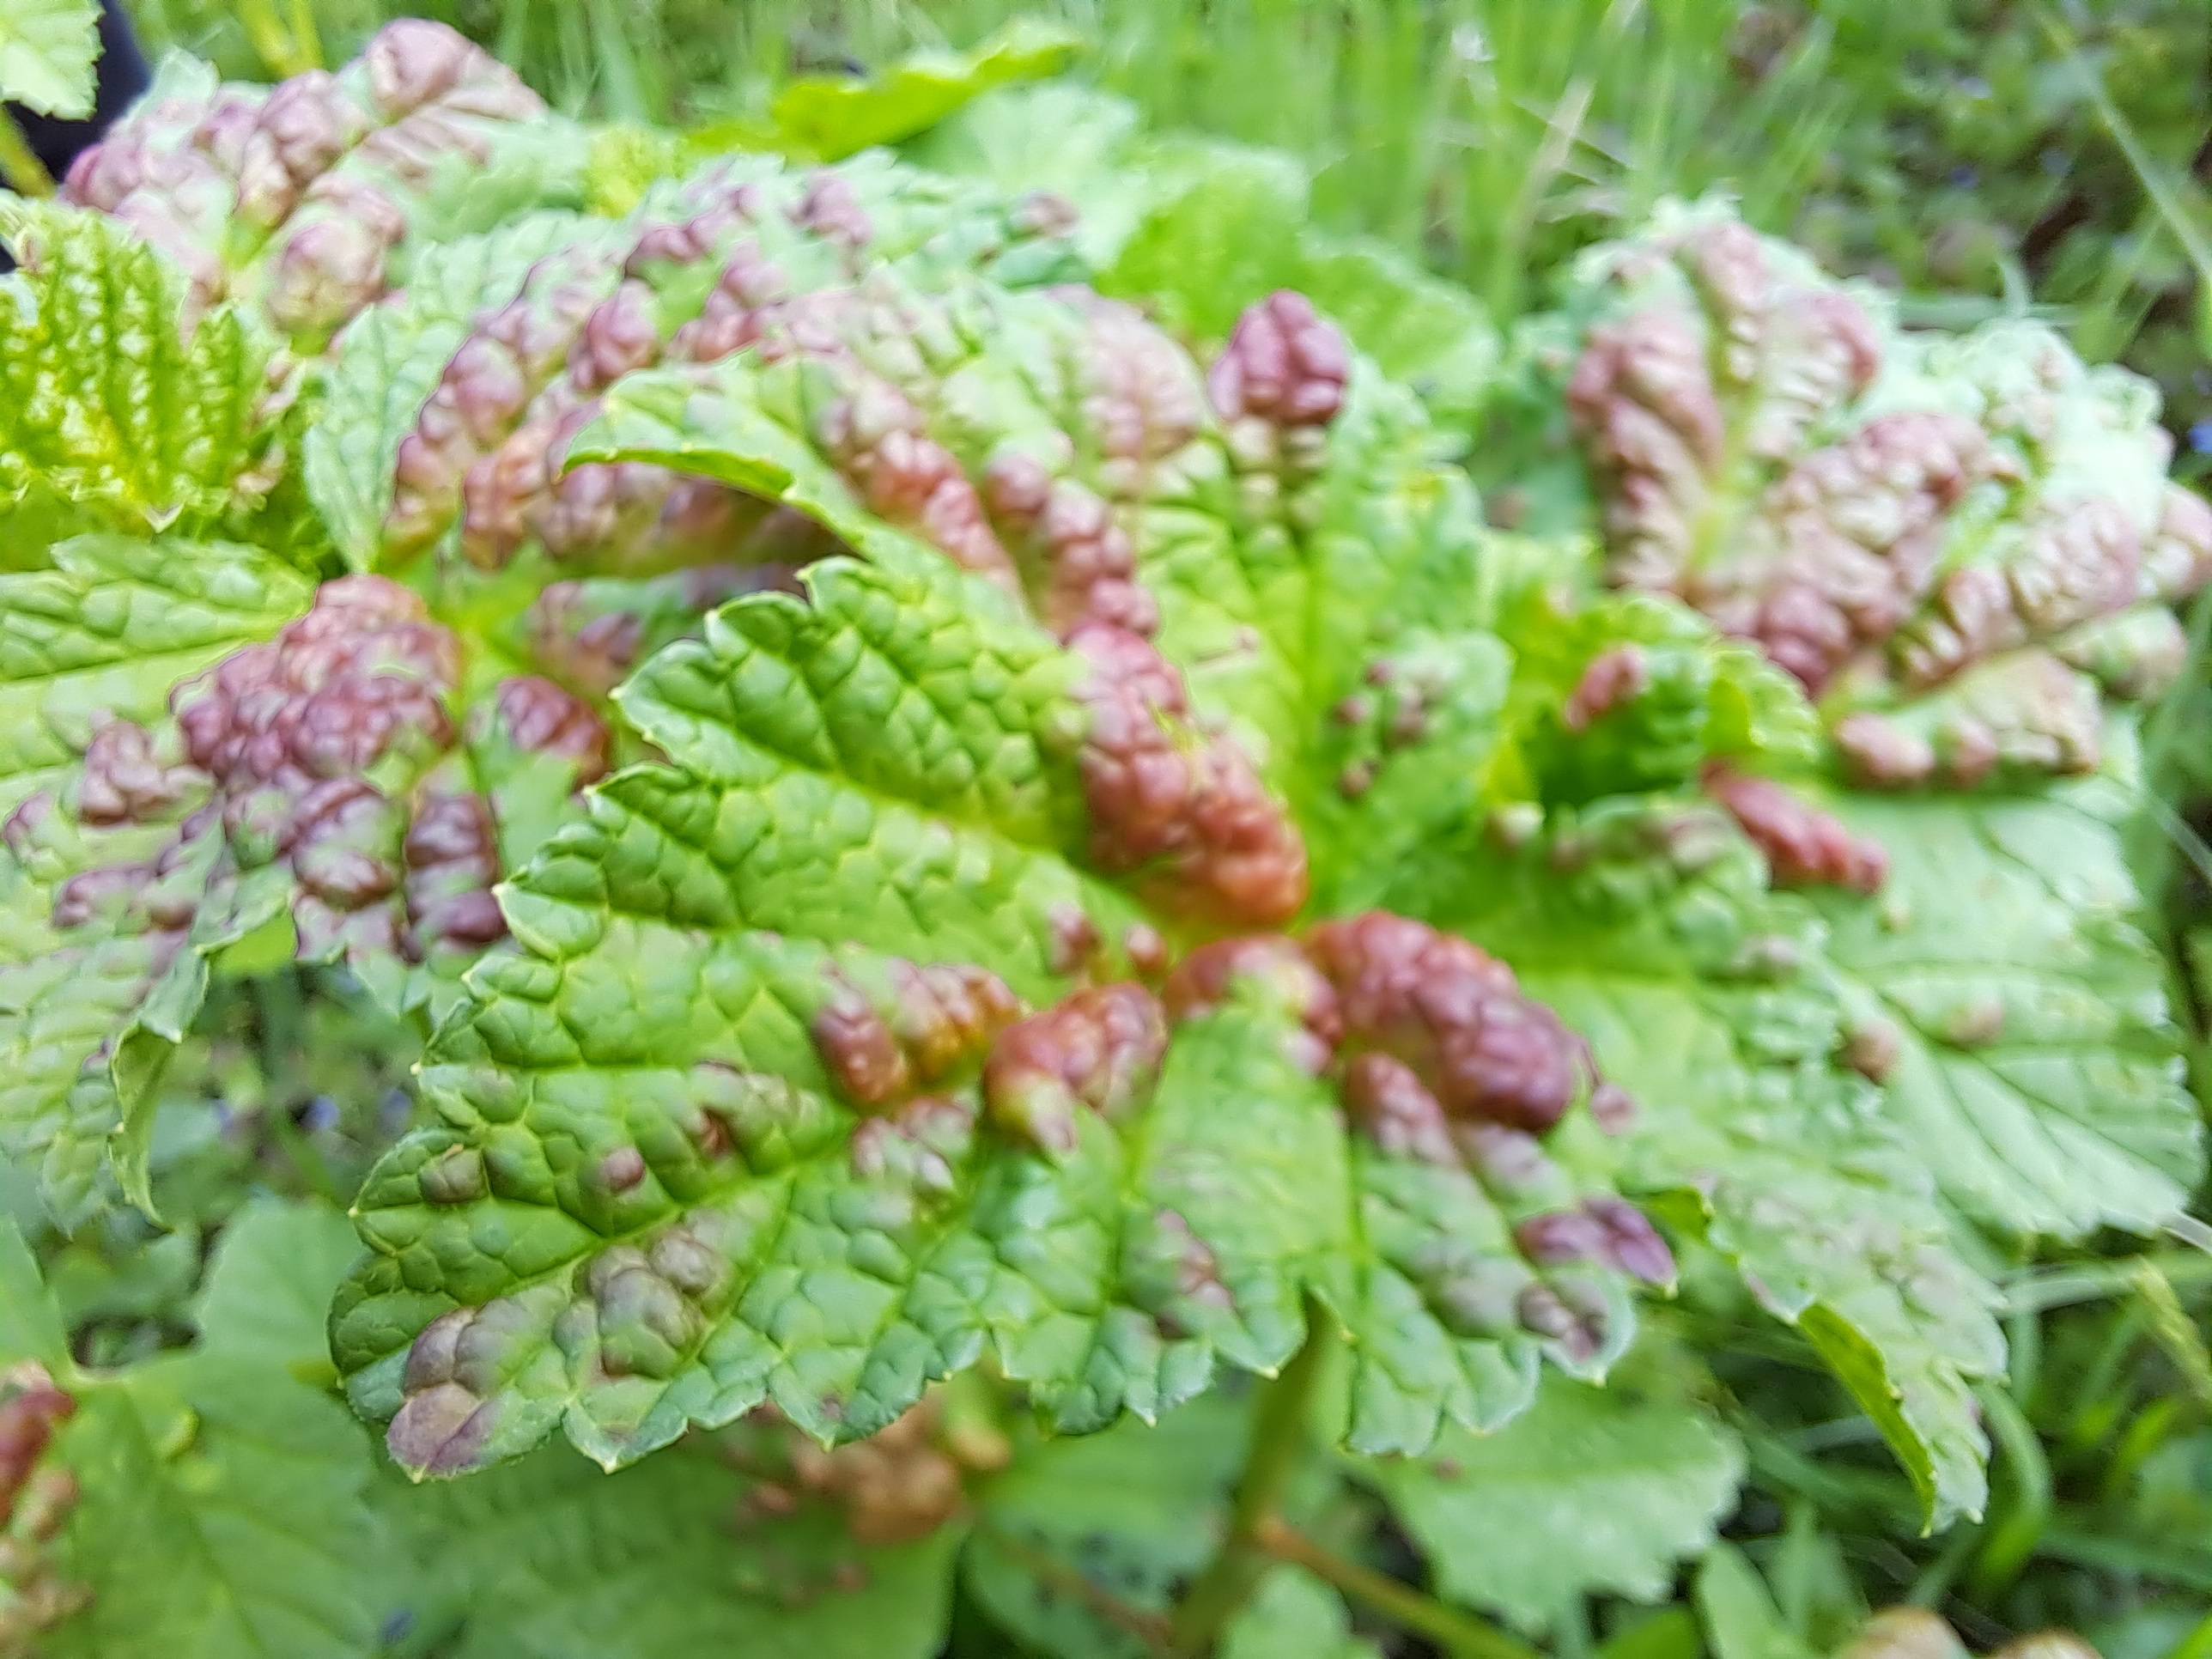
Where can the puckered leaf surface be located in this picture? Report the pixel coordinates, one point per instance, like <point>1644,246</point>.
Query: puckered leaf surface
<point>1708,998</point>
<point>389,361</point>
<point>1965,548</point>
<point>107,629</point>
<point>114,401</point>
<point>1276,564</point>
<point>1649,918</point>
<point>1138,868</point>
<point>908,760</point>
<point>292,201</point>
<point>1589,1493</point>
<point>680,1021</point>
<point>344,788</point>
<point>2035,1062</point>
<point>1195,231</point>
<point>97,642</point>
<point>1277,538</point>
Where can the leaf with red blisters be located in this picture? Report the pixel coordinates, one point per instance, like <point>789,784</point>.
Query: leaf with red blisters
<point>1071,1196</point>
<point>293,201</point>
<point>325,789</point>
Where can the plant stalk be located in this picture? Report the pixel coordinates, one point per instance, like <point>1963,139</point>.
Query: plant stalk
<point>2011,1540</point>
<point>1279,1436</point>
<point>20,165</point>
<point>273,41</point>
<point>1149,1628</point>
<point>307,39</point>
<point>1400,1603</point>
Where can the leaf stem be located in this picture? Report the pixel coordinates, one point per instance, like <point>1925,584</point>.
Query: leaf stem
<point>2175,1331</point>
<point>1279,1436</point>
<point>1400,1603</point>
<point>272,40</point>
<point>20,165</point>
<point>2013,1537</point>
<point>307,39</point>
<point>2040,1289</point>
<point>1149,1628</point>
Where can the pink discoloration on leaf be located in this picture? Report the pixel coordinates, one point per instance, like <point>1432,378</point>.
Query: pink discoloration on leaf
<point>1453,1014</point>
<point>1613,678</point>
<point>1803,845</point>
<point>1187,810</point>
<point>1284,365</point>
<point>911,1030</point>
<point>1098,1051</point>
<point>314,172</point>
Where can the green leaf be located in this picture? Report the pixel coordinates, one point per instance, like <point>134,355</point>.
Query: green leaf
<point>1589,1493</point>
<point>1134,1512</point>
<point>833,116</point>
<point>30,1325</point>
<point>579,303</point>
<point>102,637</point>
<point>118,1277</point>
<point>1426,333</point>
<point>1708,1000</point>
<point>1964,548</point>
<point>1738,1610</point>
<point>109,629</point>
<point>267,816</point>
<point>1282,619</point>
<point>1220,229</point>
<point>1294,1615</point>
<point>1195,231</point>
<point>220,1517</point>
<point>1671,1633</point>
<point>1110,1271</point>
<point>369,153</point>
<point>533,173</point>
<point>47,50</point>
<point>112,400</point>
<point>2038,1068</point>
<point>1394,800</point>
<point>551,1560</point>
<point>1094,136</point>
<point>1630,693</point>
<point>1959,544</point>
<point>901,737</point>
<point>892,761</point>
<point>969,757</point>
<point>1277,585</point>
<point>267,1294</point>
<point>389,360</point>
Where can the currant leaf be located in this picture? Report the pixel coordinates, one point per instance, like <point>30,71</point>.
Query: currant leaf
<point>47,50</point>
<point>1590,1493</point>
<point>1708,998</point>
<point>118,401</point>
<point>336,792</point>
